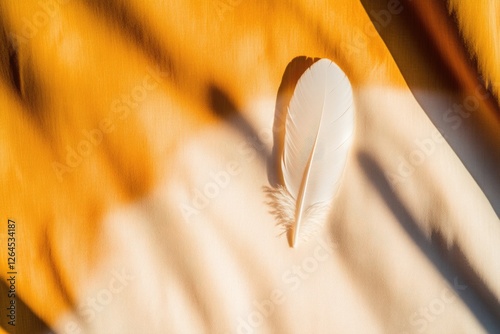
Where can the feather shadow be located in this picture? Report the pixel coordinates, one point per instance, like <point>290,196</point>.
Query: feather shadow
<point>293,72</point>
<point>476,296</point>
<point>422,34</point>
<point>313,131</point>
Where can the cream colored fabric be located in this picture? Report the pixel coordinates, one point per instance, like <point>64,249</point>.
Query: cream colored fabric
<point>135,139</point>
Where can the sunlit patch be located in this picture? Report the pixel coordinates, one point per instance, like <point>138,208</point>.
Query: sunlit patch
<point>70,49</point>
<point>68,44</point>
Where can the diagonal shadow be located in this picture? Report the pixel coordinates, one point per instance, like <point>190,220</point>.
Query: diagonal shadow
<point>26,320</point>
<point>224,108</point>
<point>135,31</point>
<point>9,58</point>
<point>425,44</point>
<point>476,296</point>
<point>156,213</point>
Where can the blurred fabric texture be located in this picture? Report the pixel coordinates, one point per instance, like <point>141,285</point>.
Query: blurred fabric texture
<point>136,136</point>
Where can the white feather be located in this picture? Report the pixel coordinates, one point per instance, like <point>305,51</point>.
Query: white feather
<point>318,133</point>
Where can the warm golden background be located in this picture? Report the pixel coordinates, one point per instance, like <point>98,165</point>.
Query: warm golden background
<point>114,113</point>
